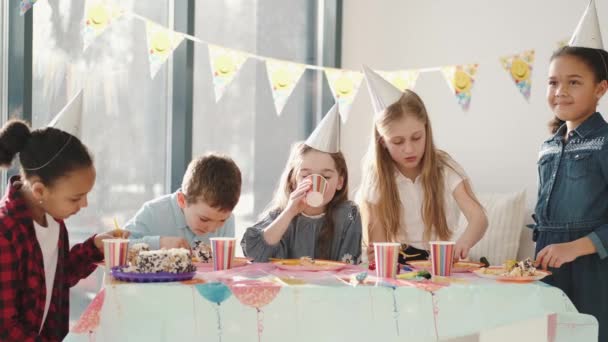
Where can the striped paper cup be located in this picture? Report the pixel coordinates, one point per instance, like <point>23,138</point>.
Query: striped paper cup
<point>387,254</point>
<point>115,252</point>
<point>222,250</point>
<point>314,197</point>
<point>442,257</point>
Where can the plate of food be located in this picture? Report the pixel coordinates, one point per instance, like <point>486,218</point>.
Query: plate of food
<point>163,265</point>
<point>208,264</point>
<point>513,271</point>
<point>154,266</point>
<point>308,264</point>
<point>123,274</point>
<point>458,267</point>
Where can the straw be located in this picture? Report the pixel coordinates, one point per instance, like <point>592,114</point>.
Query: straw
<point>117,227</point>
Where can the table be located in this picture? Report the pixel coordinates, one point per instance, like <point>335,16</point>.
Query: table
<point>261,303</point>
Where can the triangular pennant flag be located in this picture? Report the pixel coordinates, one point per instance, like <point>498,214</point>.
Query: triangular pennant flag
<point>98,16</point>
<point>161,43</point>
<point>283,77</point>
<point>519,66</point>
<point>69,118</point>
<point>326,136</point>
<point>382,92</point>
<point>344,85</point>
<point>461,79</point>
<point>25,6</point>
<point>225,64</point>
<point>587,33</point>
<point>402,79</point>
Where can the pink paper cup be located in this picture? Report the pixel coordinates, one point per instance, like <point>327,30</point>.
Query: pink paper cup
<point>222,250</point>
<point>115,253</point>
<point>442,257</point>
<point>387,254</point>
<point>314,197</point>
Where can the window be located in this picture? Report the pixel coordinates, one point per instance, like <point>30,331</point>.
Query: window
<point>244,124</point>
<point>124,120</point>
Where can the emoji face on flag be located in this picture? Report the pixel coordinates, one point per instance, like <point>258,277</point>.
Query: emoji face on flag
<point>519,66</point>
<point>99,14</point>
<point>225,64</point>
<point>461,79</point>
<point>283,77</point>
<point>344,85</point>
<point>161,43</point>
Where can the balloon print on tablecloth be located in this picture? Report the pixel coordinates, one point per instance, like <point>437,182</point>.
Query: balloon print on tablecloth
<point>217,293</point>
<point>256,294</point>
<point>89,320</point>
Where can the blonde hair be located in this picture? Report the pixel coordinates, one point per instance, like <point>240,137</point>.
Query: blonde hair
<point>379,196</point>
<point>288,184</point>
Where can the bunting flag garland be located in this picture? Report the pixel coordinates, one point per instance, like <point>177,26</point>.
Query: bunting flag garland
<point>283,77</point>
<point>402,79</point>
<point>519,66</point>
<point>161,43</point>
<point>25,6</point>
<point>344,85</point>
<point>98,16</point>
<point>225,64</point>
<point>461,79</point>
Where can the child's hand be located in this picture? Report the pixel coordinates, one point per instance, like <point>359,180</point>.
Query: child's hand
<point>297,199</point>
<point>173,242</point>
<point>113,234</point>
<point>556,255</point>
<point>371,253</point>
<point>461,250</point>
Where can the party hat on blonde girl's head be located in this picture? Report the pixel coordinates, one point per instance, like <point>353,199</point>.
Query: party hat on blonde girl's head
<point>382,92</point>
<point>587,33</point>
<point>326,137</point>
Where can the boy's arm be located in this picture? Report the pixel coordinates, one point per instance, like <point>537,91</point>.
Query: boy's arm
<point>139,227</point>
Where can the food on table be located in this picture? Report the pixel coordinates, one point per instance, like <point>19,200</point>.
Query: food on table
<point>174,260</point>
<point>202,252</point>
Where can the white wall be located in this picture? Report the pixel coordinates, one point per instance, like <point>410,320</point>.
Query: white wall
<point>497,139</point>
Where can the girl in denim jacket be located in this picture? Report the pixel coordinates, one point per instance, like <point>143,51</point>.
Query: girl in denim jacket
<point>571,214</point>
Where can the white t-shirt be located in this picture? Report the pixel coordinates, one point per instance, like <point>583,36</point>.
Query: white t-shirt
<point>411,194</point>
<point>48,239</point>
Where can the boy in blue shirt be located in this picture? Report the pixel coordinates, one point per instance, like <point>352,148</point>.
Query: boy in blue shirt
<point>200,209</point>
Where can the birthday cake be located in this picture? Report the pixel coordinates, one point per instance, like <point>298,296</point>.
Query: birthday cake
<point>174,260</point>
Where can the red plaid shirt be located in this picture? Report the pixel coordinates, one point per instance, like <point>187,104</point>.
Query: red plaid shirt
<point>22,286</point>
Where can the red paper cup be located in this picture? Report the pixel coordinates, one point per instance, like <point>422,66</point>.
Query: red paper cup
<point>387,255</point>
<point>314,197</point>
<point>223,252</point>
<point>115,253</point>
<point>442,257</point>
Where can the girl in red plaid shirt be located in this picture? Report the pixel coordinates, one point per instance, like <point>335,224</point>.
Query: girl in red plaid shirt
<point>37,267</point>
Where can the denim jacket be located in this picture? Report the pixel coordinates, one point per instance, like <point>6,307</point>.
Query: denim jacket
<point>573,188</point>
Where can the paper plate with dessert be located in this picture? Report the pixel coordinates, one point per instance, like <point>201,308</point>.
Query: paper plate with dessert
<point>458,267</point>
<point>513,271</point>
<point>308,264</point>
<point>163,265</point>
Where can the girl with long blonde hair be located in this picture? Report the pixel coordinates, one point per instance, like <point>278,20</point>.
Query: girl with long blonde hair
<point>411,191</point>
